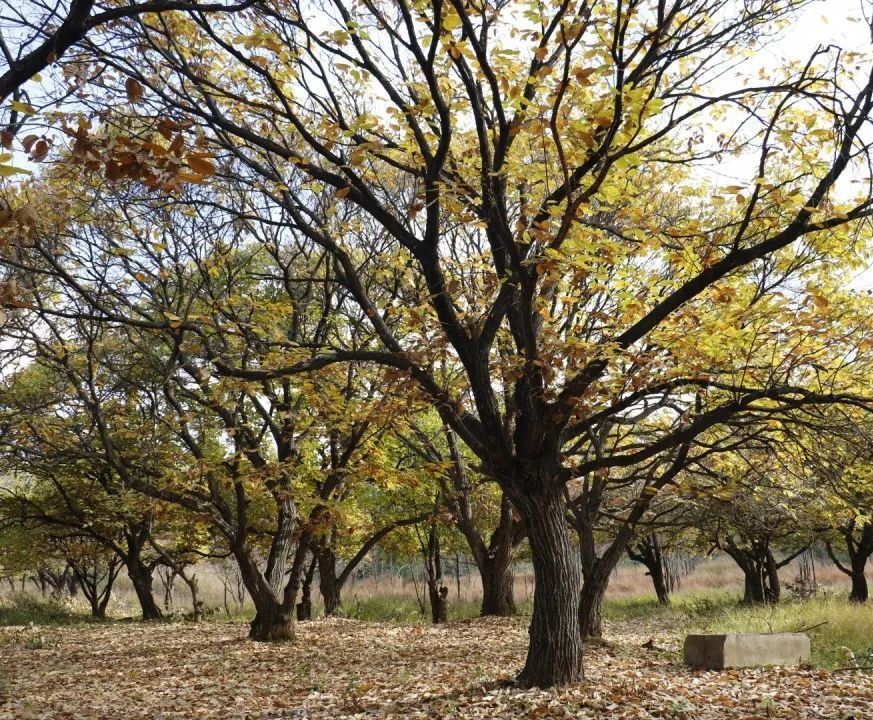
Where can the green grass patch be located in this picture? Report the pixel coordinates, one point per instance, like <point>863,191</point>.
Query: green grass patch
<point>836,627</point>
<point>22,610</point>
<point>682,608</point>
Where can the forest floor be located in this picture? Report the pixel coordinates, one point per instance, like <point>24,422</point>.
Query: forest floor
<point>356,669</point>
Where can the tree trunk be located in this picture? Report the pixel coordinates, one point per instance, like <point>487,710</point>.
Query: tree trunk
<point>198,608</point>
<point>772,586</point>
<point>647,551</point>
<point>859,550</point>
<point>591,606</point>
<point>859,592</point>
<point>304,607</point>
<point>141,577</point>
<point>753,593</point>
<point>272,621</point>
<point>493,561</point>
<point>97,612</point>
<point>554,654</point>
<point>660,584</point>
<point>439,602</point>
<point>497,595</point>
<point>327,581</point>
<point>72,585</point>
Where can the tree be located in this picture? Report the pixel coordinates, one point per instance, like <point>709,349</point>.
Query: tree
<point>858,539</point>
<point>96,570</point>
<point>750,513</point>
<point>468,506</point>
<point>56,431</point>
<point>649,552</point>
<point>504,168</point>
<point>840,468</point>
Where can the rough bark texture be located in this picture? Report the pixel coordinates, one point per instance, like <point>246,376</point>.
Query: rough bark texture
<point>141,577</point>
<point>596,569</point>
<point>554,654</point>
<point>591,607</point>
<point>439,603</point>
<point>859,592</point>
<point>497,590</point>
<point>272,623</point>
<point>327,581</point>
<point>272,620</point>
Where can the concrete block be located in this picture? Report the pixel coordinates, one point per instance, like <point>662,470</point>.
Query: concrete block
<point>740,650</point>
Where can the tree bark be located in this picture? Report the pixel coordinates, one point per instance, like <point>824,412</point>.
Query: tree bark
<point>273,621</point>
<point>439,602</point>
<point>648,553</point>
<point>554,654</point>
<point>497,591</point>
<point>753,592</point>
<point>860,593</point>
<point>493,561</point>
<point>327,581</point>
<point>591,608</point>
<point>304,607</point>
<point>141,577</point>
<point>859,550</point>
<point>773,587</point>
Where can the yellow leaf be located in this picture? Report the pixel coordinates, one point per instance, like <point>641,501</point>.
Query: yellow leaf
<point>23,108</point>
<point>6,170</point>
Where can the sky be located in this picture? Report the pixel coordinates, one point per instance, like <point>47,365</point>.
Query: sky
<point>827,22</point>
<point>838,22</point>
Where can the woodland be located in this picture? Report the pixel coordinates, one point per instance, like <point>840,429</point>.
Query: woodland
<point>302,297</point>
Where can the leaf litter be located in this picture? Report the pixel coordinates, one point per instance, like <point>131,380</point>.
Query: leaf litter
<point>354,669</point>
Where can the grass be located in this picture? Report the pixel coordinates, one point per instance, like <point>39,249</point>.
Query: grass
<point>24,610</point>
<point>838,629</point>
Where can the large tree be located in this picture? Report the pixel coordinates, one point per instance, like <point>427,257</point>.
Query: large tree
<point>510,194</point>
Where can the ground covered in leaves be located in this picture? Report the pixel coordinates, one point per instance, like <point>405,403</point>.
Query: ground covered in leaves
<point>353,669</point>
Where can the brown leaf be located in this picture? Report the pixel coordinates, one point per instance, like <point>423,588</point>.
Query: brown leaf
<point>133,89</point>
<point>201,165</point>
<point>28,142</point>
<point>40,150</point>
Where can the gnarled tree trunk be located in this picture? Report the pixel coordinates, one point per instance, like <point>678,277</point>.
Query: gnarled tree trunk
<point>273,621</point>
<point>647,551</point>
<point>497,581</point>
<point>331,590</point>
<point>859,549</point>
<point>140,575</point>
<point>554,654</point>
